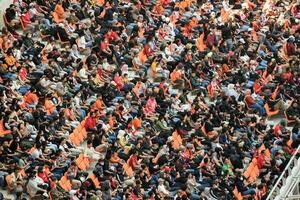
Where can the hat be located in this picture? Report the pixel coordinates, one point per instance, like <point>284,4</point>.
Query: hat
<point>121,133</point>
<point>291,39</point>
<point>242,41</point>
<point>209,55</point>
<point>281,151</point>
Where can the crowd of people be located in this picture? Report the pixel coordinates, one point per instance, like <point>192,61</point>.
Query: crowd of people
<point>148,99</point>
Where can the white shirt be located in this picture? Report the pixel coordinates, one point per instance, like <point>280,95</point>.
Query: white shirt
<point>82,42</point>
<point>83,73</point>
<point>106,66</point>
<point>33,185</point>
<point>45,83</point>
<point>74,54</point>
<point>36,153</point>
<point>162,189</point>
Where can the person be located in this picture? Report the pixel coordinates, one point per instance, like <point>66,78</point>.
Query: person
<point>242,187</point>
<point>34,186</point>
<point>292,112</point>
<point>255,104</point>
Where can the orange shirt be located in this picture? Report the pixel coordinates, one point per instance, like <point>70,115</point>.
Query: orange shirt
<point>100,2</point>
<point>98,104</point>
<point>175,75</point>
<point>200,43</point>
<point>49,107</point>
<point>137,123</point>
<point>3,132</point>
<point>31,98</point>
<point>137,88</point>
<point>177,140</point>
<point>158,9</point>
<point>1,42</point>
<point>59,10</point>
<point>10,60</point>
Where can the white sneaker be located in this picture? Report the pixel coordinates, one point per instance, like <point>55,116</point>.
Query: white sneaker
<point>45,195</point>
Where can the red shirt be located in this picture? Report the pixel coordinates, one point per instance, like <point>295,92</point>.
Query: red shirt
<point>290,48</point>
<point>132,161</point>
<point>43,176</point>
<point>288,76</point>
<point>260,161</point>
<point>165,2</point>
<point>133,196</point>
<point>26,18</point>
<point>119,81</point>
<point>100,72</point>
<point>90,123</point>
<point>147,50</point>
<point>104,46</point>
<point>276,130</point>
<point>249,100</point>
<point>210,40</point>
<point>23,73</point>
<point>112,36</point>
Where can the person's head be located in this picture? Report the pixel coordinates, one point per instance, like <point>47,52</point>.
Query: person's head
<point>161,181</point>
<point>283,123</point>
<point>89,143</point>
<point>248,92</point>
<point>74,47</point>
<point>295,104</point>
<point>29,35</point>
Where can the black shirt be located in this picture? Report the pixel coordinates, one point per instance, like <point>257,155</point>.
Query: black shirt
<point>10,14</point>
<point>226,32</point>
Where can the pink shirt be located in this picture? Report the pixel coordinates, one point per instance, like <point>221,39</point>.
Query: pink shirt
<point>151,105</point>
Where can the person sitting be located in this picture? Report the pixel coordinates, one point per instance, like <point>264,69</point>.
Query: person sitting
<point>35,186</point>
<point>242,187</point>
<point>255,104</point>
<point>59,13</point>
<point>292,113</point>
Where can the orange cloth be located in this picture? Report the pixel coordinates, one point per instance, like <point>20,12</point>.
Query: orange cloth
<point>210,90</point>
<point>225,68</point>
<point>10,60</point>
<point>3,132</point>
<point>137,123</point>
<point>31,98</point>
<point>175,75</point>
<point>49,107</point>
<point>200,43</point>
<point>224,16</point>
<point>100,2</point>
<point>257,87</point>
<point>177,140</point>
<point>59,14</point>
<point>158,9</point>
<point>254,36</point>
<point>137,88</point>
<point>1,43</point>
<point>59,10</point>
<point>142,57</point>
<point>98,105</point>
